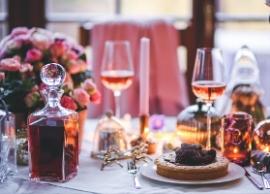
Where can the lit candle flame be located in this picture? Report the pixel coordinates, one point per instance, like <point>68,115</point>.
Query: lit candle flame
<point>235,150</point>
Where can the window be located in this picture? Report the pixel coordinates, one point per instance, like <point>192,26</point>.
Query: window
<point>3,16</point>
<point>66,15</point>
<point>245,23</point>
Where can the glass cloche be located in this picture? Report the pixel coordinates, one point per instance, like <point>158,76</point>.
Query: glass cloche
<point>109,134</point>
<point>192,127</point>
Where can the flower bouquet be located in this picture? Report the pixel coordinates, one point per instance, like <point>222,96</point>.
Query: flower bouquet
<point>24,52</point>
<point>22,55</point>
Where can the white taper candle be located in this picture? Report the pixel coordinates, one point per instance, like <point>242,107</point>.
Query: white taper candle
<point>144,75</point>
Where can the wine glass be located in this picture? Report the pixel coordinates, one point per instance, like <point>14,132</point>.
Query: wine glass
<point>208,81</point>
<point>117,69</point>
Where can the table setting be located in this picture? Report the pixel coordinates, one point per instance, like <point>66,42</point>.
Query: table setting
<point>219,144</point>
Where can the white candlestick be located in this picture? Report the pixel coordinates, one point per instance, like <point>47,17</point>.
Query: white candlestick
<point>144,75</point>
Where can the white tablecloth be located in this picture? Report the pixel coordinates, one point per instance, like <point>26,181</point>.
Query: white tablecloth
<point>114,180</point>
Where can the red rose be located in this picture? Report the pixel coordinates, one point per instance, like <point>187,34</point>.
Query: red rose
<point>95,97</point>
<point>68,103</point>
<point>33,55</point>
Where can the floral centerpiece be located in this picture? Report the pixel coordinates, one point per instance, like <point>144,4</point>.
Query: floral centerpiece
<point>22,55</point>
<point>24,52</point>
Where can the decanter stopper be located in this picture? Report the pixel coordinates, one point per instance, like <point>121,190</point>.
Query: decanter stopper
<point>53,75</point>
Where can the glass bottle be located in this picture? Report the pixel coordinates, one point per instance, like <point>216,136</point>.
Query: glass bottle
<point>8,164</point>
<point>53,133</point>
<point>244,89</point>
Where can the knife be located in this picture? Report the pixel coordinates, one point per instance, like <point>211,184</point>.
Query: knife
<point>253,180</point>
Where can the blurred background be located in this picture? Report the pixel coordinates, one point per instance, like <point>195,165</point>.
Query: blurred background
<point>227,24</point>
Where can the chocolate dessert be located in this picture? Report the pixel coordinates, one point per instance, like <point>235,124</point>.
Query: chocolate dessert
<point>191,162</point>
<point>194,155</point>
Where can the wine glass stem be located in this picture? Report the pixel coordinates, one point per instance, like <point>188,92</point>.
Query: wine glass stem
<point>208,122</point>
<point>117,95</point>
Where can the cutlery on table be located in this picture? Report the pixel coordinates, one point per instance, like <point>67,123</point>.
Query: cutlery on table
<point>133,169</point>
<point>260,168</point>
<point>253,180</point>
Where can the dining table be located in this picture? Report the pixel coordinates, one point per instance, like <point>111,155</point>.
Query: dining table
<point>114,179</point>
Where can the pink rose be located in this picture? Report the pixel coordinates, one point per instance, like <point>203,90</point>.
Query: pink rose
<point>13,44</point>
<point>89,85</point>
<point>71,55</point>
<point>18,31</point>
<point>17,57</point>
<point>2,76</point>
<point>81,96</point>
<point>26,67</point>
<point>58,48</point>
<point>17,42</point>
<point>23,38</point>
<point>4,41</point>
<point>9,64</point>
<point>78,49</point>
<point>77,66</point>
<point>68,103</point>
<point>33,55</point>
<point>95,97</point>
<point>41,39</point>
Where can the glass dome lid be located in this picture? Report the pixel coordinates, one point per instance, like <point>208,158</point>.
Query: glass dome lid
<point>109,134</point>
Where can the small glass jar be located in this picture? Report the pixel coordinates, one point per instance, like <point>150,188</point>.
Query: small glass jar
<point>53,133</point>
<point>237,134</point>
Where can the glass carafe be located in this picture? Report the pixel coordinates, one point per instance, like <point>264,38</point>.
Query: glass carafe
<point>53,133</point>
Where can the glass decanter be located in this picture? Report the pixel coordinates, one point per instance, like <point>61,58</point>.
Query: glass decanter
<point>244,89</point>
<point>53,133</point>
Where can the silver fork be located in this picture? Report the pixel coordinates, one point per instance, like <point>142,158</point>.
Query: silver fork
<point>133,169</point>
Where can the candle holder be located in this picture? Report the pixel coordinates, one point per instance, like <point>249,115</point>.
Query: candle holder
<point>144,126</point>
<point>144,136</point>
<point>236,137</point>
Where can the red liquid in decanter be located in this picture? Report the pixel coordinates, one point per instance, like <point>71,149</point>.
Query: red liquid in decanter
<point>54,147</point>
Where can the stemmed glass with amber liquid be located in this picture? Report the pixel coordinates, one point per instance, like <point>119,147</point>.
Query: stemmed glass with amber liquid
<point>117,69</point>
<point>208,82</point>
